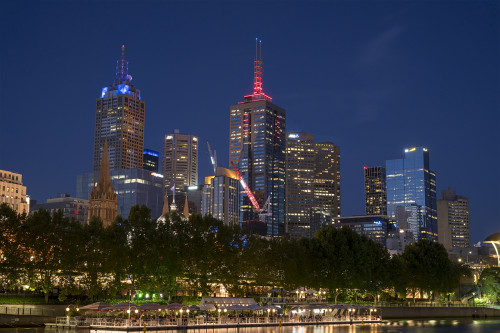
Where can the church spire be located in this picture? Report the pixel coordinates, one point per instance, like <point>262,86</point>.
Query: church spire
<point>165,205</point>
<point>104,180</point>
<point>186,208</point>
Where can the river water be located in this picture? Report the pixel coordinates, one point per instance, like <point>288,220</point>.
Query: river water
<point>389,326</point>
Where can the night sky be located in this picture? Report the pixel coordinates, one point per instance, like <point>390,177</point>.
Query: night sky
<point>373,77</point>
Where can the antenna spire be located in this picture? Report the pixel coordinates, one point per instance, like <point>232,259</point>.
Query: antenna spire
<point>257,68</point>
<point>121,75</point>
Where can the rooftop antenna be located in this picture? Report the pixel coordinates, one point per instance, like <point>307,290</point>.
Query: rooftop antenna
<point>257,68</point>
<point>123,52</point>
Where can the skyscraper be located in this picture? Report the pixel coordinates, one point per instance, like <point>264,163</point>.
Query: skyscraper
<point>375,191</point>
<point>412,185</point>
<point>326,185</point>
<point>119,119</point>
<point>300,167</point>
<point>453,220</point>
<point>180,162</point>
<point>150,160</point>
<point>257,148</point>
<point>312,184</point>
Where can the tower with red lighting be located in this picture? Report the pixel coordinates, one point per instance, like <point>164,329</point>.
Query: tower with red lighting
<point>257,146</point>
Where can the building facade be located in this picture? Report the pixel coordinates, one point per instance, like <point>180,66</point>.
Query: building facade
<point>453,220</point>
<point>257,130</point>
<point>221,196</point>
<point>103,199</point>
<point>180,162</point>
<point>72,208</point>
<point>300,171</point>
<point>312,184</point>
<point>13,192</point>
<point>132,187</point>
<point>150,160</point>
<point>412,185</point>
<point>326,185</point>
<point>379,228</point>
<point>375,191</point>
<point>119,119</point>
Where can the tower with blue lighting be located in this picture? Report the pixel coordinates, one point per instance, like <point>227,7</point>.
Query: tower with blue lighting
<point>257,141</point>
<point>119,118</point>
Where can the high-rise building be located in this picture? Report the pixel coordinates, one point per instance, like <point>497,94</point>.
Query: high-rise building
<point>375,191</point>
<point>13,192</point>
<point>119,119</point>
<point>180,162</point>
<point>150,160</point>
<point>221,196</point>
<point>300,171</point>
<point>326,185</point>
<point>257,147</point>
<point>411,184</point>
<point>312,184</point>
<point>453,220</point>
<point>72,208</point>
<point>103,200</point>
<point>378,228</point>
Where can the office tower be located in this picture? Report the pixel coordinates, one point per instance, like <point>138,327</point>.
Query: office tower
<point>221,196</point>
<point>119,119</point>
<point>326,185</point>
<point>180,162</point>
<point>299,192</point>
<point>150,160</point>
<point>13,192</point>
<point>72,208</point>
<point>257,148</point>
<point>411,184</point>
<point>103,200</point>
<point>453,220</point>
<point>375,191</point>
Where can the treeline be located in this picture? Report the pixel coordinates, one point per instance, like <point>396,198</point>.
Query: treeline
<point>46,252</point>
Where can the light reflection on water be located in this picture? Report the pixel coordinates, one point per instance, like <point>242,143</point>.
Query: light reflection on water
<point>392,326</point>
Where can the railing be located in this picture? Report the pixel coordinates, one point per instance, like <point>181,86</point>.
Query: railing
<point>27,311</point>
<point>197,321</point>
<point>291,300</point>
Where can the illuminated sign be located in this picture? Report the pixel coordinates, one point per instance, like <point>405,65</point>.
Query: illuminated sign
<point>293,136</point>
<point>169,137</point>
<point>194,187</point>
<point>154,174</point>
<point>151,152</point>
<point>104,91</point>
<point>123,89</point>
<point>413,149</point>
<point>377,222</point>
<point>195,139</point>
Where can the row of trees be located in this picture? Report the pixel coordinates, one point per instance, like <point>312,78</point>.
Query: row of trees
<point>47,252</point>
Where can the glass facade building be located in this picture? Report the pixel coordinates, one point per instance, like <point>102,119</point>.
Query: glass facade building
<point>257,143</point>
<point>221,196</point>
<point>132,186</point>
<point>411,184</point>
<point>378,228</point>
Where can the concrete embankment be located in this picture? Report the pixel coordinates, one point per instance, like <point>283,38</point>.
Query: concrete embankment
<point>439,312</point>
<point>15,315</point>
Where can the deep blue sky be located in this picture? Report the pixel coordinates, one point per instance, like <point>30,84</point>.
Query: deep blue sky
<point>373,77</point>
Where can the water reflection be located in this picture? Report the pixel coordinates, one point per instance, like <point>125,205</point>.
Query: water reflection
<point>393,326</point>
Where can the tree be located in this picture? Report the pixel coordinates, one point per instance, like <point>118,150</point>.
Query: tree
<point>490,283</point>
<point>427,268</point>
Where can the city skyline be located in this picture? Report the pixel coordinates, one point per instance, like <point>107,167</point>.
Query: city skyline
<point>365,87</point>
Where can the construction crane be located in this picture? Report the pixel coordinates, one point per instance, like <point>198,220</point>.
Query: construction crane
<point>262,212</point>
<point>213,157</point>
